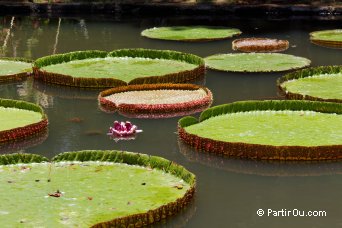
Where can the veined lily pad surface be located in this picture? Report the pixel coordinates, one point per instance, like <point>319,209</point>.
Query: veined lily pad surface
<point>123,68</point>
<point>278,128</point>
<point>329,38</point>
<point>324,86</point>
<point>10,67</point>
<point>191,33</point>
<point>255,62</point>
<point>74,193</point>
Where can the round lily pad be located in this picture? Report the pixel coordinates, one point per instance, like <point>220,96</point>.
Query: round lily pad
<point>255,62</point>
<point>318,83</point>
<point>284,130</point>
<point>191,33</point>
<point>114,189</point>
<point>156,101</point>
<point>20,119</point>
<point>260,45</point>
<point>327,38</point>
<point>98,69</point>
<point>14,69</point>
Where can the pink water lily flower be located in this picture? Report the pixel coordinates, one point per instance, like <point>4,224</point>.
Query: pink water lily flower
<point>122,129</point>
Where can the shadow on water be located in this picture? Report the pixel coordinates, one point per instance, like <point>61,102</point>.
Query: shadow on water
<point>262,168</point>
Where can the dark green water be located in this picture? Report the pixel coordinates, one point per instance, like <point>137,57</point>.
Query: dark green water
<point>229,192</point>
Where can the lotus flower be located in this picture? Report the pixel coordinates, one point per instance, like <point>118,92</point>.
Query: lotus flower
<point>123,129</point>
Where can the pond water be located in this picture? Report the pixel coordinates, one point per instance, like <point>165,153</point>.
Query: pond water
<point>229,192</point>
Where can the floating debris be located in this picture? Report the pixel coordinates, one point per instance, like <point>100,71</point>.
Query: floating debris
<point>76,120</point>
<point>56,194</point>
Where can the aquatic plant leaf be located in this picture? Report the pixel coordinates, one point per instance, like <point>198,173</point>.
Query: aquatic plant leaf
<point>255,62</point>
<point>125,192</point>
<point>191,33</point>
<point>317,83</point>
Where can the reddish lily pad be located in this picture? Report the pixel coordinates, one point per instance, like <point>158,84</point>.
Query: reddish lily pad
<point>156,101</point>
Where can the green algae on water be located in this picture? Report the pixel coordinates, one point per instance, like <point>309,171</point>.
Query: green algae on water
<point>91,192</point>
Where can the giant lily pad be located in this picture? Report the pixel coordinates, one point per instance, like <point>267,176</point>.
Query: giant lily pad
<point>87,188</point>
<point>98,69</point>
<point>12,69</point>
<point>327,38</point>
<point>319,83</point>
<point>156,101</point>
<point>191,33</point>
<point>20,119</point>
<point>286,130</point>
<point>255,62</point>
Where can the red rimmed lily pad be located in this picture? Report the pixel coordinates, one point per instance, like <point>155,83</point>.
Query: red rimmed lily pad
<point>20,120</point>
<point>260,45</point>
<point>156,101</point>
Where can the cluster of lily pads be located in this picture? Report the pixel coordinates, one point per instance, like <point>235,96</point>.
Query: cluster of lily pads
<point>146,83</point>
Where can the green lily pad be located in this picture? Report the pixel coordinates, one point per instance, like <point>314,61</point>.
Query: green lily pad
<point>91,188</point>
<point>12,69</point>
<point>12,118</point>
<point>255,62</point>
<point>20,119</point>
<point>125,69</point>
<point>278,128</point>
<point>322,86</point>
<point>329,38</point>
<point>319,83</point>
<point>8,67</point>
<point>117,68</point>
<point>191,33</point>
<point>287,130</point>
